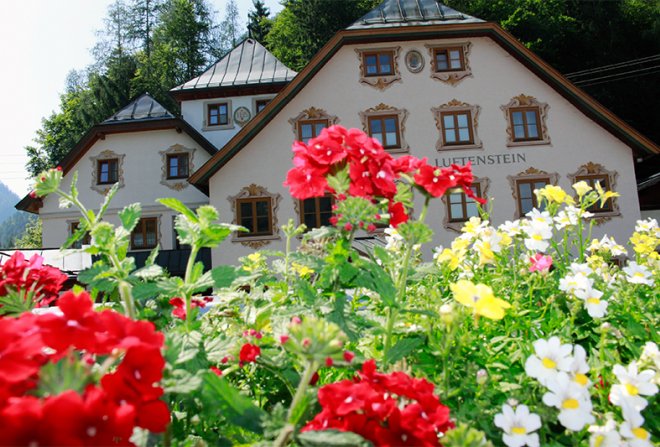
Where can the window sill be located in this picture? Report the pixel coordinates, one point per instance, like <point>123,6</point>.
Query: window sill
<point>206,128</point>
<point>455,147</point>
<point>528,143</point>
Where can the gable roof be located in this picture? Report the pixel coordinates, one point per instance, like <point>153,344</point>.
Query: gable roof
<point>585,103</point>
<point>140,115</point>
<point>248,64</point>
<point>411,12</point>
<point>143,108</point>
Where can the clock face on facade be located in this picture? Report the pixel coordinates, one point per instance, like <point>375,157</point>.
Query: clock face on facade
<point>414,61</point>
<point>242,115</point>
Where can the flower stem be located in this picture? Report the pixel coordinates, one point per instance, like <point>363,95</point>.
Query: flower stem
<point>288,429</point>
<point>126,294</point>
<point>188,280</point>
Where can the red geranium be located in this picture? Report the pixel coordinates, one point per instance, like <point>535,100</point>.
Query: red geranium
<point>31,278</point>
<point>386,409</point>
<point>249,353</point>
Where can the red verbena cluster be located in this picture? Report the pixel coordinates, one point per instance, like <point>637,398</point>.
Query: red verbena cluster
<point>179,304</point>
<point>37,404</point>
<point>31,278</point>
<point>373,171</point>
<point>386,409</point>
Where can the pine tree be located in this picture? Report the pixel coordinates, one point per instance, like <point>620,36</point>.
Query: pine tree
<point>259,24</point>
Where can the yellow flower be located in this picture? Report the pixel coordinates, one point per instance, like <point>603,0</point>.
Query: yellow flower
<point>301,270</point>
<point>480,298</point>
<point>472,225</point>
<point>555,194</point>
<point>449,257</point>
<point>604,195</point>
<point>581,188</point>
<point>486,255</point>
<point>255,257</point>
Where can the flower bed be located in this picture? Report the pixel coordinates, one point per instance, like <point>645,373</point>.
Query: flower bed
<point>528,333</point>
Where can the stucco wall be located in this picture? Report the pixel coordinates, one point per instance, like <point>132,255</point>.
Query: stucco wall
<point>194,112</point>
<point>143,169</point>
<point>496,79</point>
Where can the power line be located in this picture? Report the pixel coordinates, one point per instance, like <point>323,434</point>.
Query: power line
<point>588,84</point>
<point>613,66</point>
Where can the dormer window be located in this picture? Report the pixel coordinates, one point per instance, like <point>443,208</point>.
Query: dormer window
<point>450,63</point>
<point>218,114</point>
<point>379,66</point>
<point>108,171</point>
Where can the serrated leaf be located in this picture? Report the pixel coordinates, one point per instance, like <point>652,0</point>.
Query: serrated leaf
<point>178,206</point>
<point>238,409</point>
<point>149,272</point>
<point>144,291</point>
<point>107,199</point>
<point>207,213</point>
<point>183,382</point>
<point>373,277</point>
<point>224,275</point>
<point>130,216</point>
<point>152,256</point>
<point>402,348</point>
<point>331,438</point>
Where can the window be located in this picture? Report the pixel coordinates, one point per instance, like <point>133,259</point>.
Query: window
<point>450,63</point>
<point>217,114</point>
<point>448,59</point>
<point>379,66</point>
<point>260,104</point>
<point>85,240</point>
<point>177,166</point>
<point>593,173</point>
<point>385,129</point>
<point>604,183</point>
<point>310,122</point>
<point>457,122</point>
<point>456,128</point>
<point>527,200</point>
<point>460,207</point>
<point>378,63</point>
<point>308,129</point>
<point>108,171</point>
<point>255,215</point>
<point>145,234</point>
<point>387,125</point>
<point>526,121</point>
<point>316,212</point>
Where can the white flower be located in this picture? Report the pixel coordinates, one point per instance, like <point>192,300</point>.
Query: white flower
<point>518,426</point>
<point>572,283</point>
<point>579,367</point>
<point>565,218</point>
<point>573,403</point>
<point>538,234</point>
<point>607,244</point>
<point>635,435</point>
<point>512,229</point>
<point>604,436</point>
<point>596,308</point>
<point>638,274</point>
<point>581,269</point>
<point>550,358</point>
<point>539,217</point>
<point>627,394</point>
<point>646,226</point>
<point>651,355</point>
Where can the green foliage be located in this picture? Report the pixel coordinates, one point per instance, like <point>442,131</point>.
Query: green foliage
<point>31,236</point>
<point>259,22</point>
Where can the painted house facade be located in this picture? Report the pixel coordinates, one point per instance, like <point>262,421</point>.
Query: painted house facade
<point>424,79</point>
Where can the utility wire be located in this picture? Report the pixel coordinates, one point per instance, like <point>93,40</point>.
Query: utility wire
<point>635,74</point>
<point>613,66</point>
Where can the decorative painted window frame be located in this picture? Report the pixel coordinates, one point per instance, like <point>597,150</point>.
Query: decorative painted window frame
<point>107,155</point>
<point>484,184</point>
<point>384,110</point>
<point>529,174</point>
<point>311,113</point>
<point>159,234</point>
<point>298,208</point>
<point>383,81</point>
<point>177,184</point>
<point>451,77</point>
<point>230,115</point>
<point>525,101</point>
<point>592,168</point>
<point>256,191</point>
<point>457,106</point>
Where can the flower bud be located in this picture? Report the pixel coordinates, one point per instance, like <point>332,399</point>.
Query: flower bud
<point>482,376</point>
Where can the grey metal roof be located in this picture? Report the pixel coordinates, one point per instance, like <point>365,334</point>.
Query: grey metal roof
<point>144,108</point>
<point>247,64</point>
<point>393,13</point>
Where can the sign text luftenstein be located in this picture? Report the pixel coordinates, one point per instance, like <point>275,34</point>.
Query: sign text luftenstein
<point>476,160</point>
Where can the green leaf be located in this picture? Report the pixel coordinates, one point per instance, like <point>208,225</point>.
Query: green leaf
<point>414,232</point>
<point>402,348</point>
<point>144,291</point>
<point>107,199</point>
<point>183,382</point>
<point>130,216</point>
<point>224,275</point>
<point>373,277</point>
<point>183,347</point>
<point>238,409</point>
<point>149,272</point>
<point>207,213</point>
<point>340,181</point>
<point>331,438</point>
<point>152,256</point>
<point>178,206</point>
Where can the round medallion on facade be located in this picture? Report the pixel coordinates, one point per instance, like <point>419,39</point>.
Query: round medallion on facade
<point>414,61</point>
<point>242,115</point>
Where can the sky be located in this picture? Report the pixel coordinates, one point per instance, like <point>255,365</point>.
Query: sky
<point>41,41</point>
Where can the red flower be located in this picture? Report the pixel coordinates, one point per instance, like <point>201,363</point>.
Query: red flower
<point>217,371</point>
<point>397,214</point>
<point>434,180</point>
<point>19,275</point>
<point>386,409</point>
<point>305,183</point>
<point>249,353</point>
<point>179,308</point>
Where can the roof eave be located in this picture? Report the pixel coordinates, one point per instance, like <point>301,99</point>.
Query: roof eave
<point>563,86</point>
